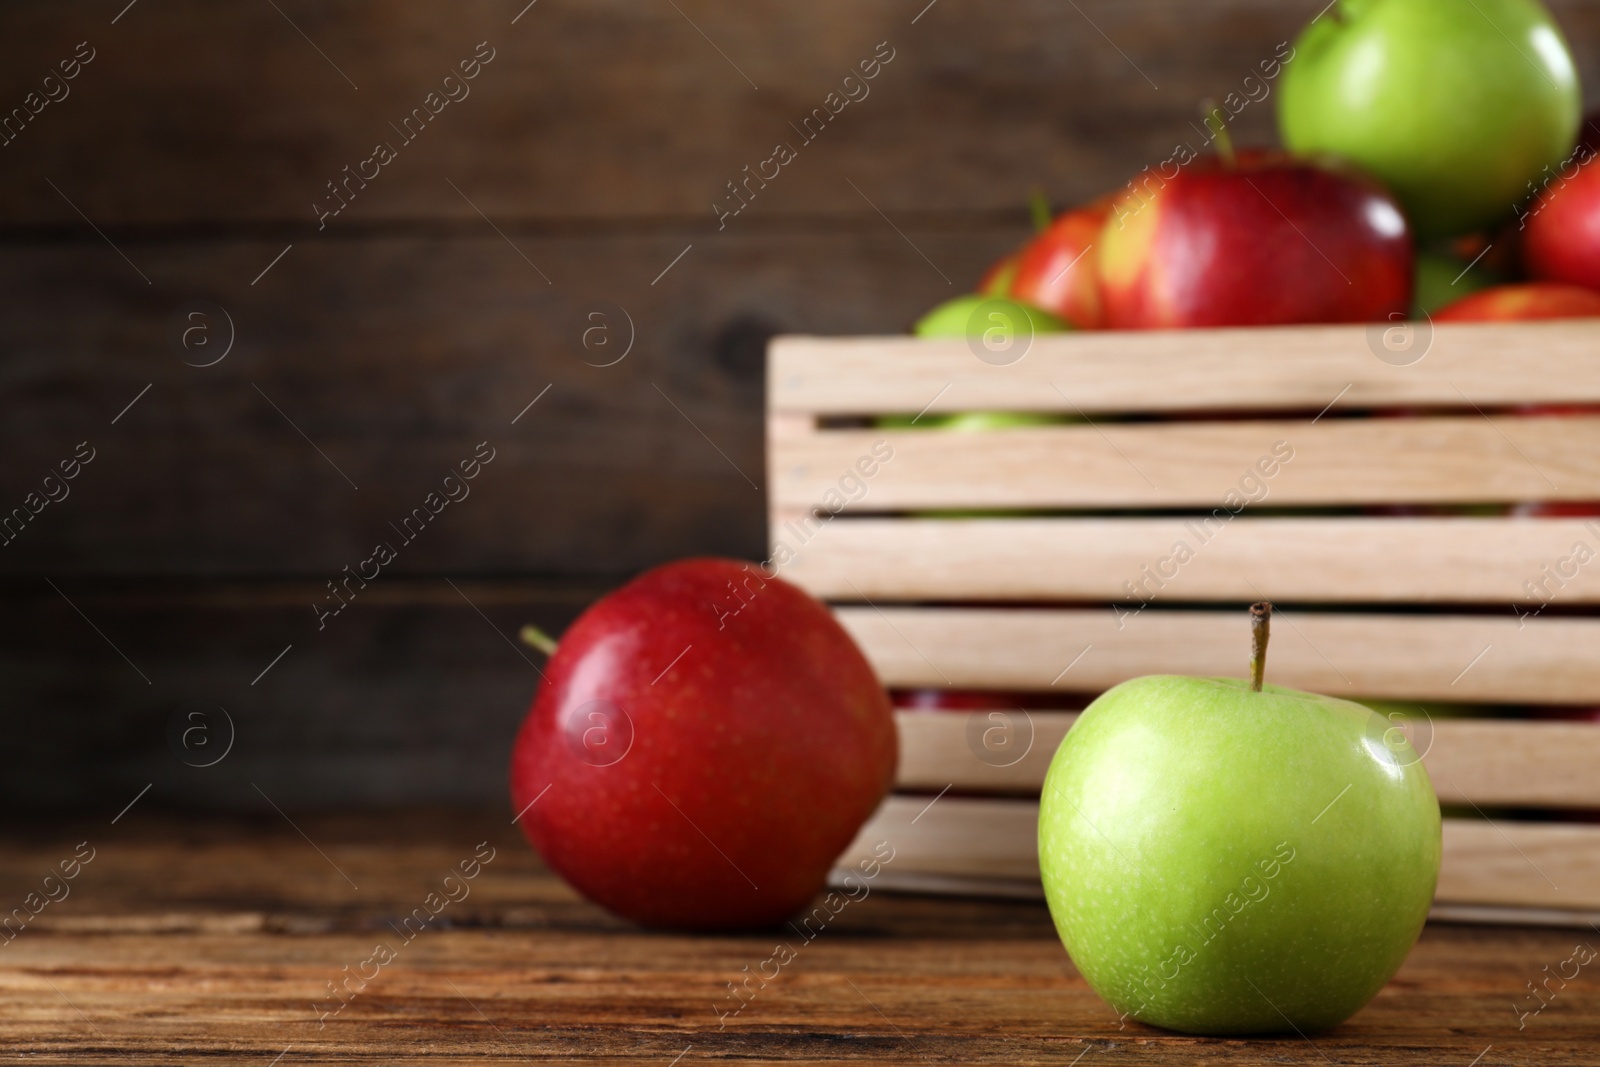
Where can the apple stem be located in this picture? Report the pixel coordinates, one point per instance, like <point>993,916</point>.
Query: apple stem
<point>1260,632</point>
<point>1039,208</point>
<point>534,637</point>
<point>1219,133</point>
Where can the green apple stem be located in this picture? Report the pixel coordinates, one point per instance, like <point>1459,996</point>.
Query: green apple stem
<point>1260,632</point>
<point>536,638</point>
<point>1219,133</point>
<point>1039,209</point>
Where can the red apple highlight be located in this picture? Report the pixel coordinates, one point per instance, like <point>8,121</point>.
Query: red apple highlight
<point>1264,240</point>
<point>706,742</point>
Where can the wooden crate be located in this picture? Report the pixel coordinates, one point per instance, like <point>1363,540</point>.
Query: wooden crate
<point>1343,465</point>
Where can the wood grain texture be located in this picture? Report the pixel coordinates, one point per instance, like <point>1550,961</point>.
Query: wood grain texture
<point>1388,560</point>
<point>195,114</point>
<point>1420,657</point>
<point>987,752</point>
<point>1499,863</point>
<point>1287,368</point>
<point>1490,762</point>
<point>411,695</point>
<point>395,356</point>
<point>1533,864</point>
<point>218,947</point>
<point>1205,465</point>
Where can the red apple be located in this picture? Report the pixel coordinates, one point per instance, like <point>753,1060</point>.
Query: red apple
<point>706,742</point>
<point>1561,227</point>
<point>1057,270</point>
<point>1528,300</point>
<point>1496,254</point>
<point>1264,240</point>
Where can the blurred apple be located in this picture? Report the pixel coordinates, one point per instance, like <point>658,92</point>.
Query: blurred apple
<point>1561,239</point>
<point>1263,240</point>
<point>1443,279</point>
<point>1526,301</point>
<point>996,281</point>
<point>971,315</point>
<point>1057,270</point>
<point>1456,105</point>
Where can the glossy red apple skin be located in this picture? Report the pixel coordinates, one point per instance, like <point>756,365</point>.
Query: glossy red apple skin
<point>1562,239</point>
<point>1526,301</point>
<point>1266,241</point>
<point>749,748</point>
<point>1561,227</point>
<point>1058,269</point>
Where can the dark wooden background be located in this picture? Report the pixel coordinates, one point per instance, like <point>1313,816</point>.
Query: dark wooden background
<point>412,327</point>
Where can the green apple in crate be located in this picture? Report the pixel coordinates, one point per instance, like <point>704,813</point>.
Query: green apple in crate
<point>971,316</point>
<point>1456,105</point>
<point>1443,279</point>
<point>976,313</point>
<point>1223,857</point>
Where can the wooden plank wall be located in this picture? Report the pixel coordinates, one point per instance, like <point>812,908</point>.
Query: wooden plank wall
<point>182,165</point>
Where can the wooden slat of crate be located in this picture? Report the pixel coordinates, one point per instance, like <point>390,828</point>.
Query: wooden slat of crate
<point>1331,560</point>
<point>1486,659</point>
<point>1229,370</point>
<point>1459,447</point>
<point>1488,762</point>
<point>1486,863</point>
<point>941,748</point>
<point>1444,460</point>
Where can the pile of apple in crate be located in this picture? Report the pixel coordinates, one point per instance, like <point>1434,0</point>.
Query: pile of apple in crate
<point>1435,166</point>
<point>710,749</point>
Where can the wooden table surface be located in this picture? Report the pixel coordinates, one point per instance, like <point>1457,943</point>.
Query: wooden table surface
<point>213,940</point>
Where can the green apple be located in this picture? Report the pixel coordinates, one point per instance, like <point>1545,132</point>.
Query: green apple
<point>1456,105</point>
<point>1222,857</point>
<point>1442,280</point>
<point>960,317</point>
